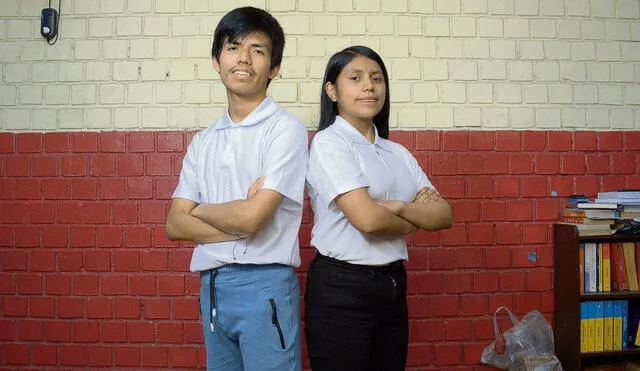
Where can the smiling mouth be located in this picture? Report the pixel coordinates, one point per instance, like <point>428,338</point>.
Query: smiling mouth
<point>241,73</point>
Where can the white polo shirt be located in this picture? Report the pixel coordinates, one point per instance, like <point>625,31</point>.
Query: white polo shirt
<point>221,163</point>
<point>341,159</point>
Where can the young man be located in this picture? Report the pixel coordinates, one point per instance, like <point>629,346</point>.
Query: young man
<point>239,198</point>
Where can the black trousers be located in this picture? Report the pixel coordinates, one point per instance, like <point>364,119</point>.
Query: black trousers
<point>356,316</point>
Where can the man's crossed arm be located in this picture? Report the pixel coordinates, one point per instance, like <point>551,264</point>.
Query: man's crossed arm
<point>227,221</point>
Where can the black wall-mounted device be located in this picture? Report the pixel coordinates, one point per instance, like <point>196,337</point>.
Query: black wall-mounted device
<point>49,23</point>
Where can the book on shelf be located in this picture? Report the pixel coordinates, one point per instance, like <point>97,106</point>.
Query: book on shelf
<point>631,208</point>
<point>619,279</point>
<point>621,202</point>
<point>633,318</point>
<point>628,249</point>
<point>621,197</point>
<point>637,255</point>
<point>577,199</point>
<point>598,206</point>
<point>605,266</point>
<point>587,220</point>
<point>598,343</point>
<point>620,194</point>
<point>590,267</point>
<point>581,266</point>
<point>590,213</point>
<point>617,325</point>
<point>630,214</point>
<point>625,321</point>
<point>584,326</point>
<point>608,325</point>
<point>591,229</point>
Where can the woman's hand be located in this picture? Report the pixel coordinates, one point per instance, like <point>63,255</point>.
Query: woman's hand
<point>426,195</point>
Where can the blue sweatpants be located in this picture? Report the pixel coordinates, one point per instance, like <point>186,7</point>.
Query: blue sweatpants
<point>254,322</point>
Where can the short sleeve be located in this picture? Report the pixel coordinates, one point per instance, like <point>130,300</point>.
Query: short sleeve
<point>286,160</point>
<point>188,184</point>
<point>419,175</point>
<point>333,167</point>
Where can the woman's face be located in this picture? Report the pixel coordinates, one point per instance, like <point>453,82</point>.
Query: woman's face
<point>359,90</point>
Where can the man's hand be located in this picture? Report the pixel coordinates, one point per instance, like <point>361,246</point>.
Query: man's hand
<point>426,195</point>
<point>255,187</point>
<point>182,224</point>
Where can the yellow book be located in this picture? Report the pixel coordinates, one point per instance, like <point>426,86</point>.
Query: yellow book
<point>598,341</point>
<point>608,325</point>
<point>591,327</point>
<point>584,314</point>
<point>629,252</point>
<point>606,266</point>
<point>617,325</point>
<point>599,265</point>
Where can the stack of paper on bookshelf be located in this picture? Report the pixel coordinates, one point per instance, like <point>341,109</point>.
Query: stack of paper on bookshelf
<point>588,229</point>
<point>628,200</point>
<point>603,216</point>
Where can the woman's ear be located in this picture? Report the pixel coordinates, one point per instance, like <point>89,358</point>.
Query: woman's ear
<point>331,91</point>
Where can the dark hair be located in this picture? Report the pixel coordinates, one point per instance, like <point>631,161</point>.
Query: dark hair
<point>337,62</point>
<point>240,22</point>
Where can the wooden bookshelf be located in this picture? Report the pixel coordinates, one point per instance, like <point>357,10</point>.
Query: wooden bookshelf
<point>568,298</point>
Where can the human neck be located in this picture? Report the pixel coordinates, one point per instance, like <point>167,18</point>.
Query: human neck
<point>364,126</point>
<point>241,106</point>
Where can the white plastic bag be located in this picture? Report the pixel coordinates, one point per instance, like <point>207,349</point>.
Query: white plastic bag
<point>527,346</point>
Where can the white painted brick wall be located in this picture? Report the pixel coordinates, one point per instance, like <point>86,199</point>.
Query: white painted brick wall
<point>454,64</point>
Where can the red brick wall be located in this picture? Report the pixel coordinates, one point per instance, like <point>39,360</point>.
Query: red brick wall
<point>89,280</point>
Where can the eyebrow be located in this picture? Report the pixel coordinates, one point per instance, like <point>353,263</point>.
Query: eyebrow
<point>362,71</point>
<point>255,45</point>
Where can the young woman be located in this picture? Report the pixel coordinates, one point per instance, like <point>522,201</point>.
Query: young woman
<point>367,193</point>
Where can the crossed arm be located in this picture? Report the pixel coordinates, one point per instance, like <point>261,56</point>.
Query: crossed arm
<point>227,221</point>
<point>427,211</point>
<point>395,218</point>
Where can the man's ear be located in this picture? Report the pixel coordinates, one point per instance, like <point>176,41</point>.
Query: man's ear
<point>274,72</point>
<point>216,65</point>
<point>331,91</point>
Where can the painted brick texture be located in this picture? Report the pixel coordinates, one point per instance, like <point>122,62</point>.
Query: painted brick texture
<point>499,64</point>
<point>89,280</point>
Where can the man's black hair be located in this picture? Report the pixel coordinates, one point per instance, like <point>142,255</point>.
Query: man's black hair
<point>241,22</point>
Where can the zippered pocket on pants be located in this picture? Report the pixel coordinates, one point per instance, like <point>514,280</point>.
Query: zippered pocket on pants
<point>275,322</point>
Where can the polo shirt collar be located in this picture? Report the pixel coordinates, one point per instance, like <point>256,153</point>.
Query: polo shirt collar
<point>356,137</point>
<point>265,109</point>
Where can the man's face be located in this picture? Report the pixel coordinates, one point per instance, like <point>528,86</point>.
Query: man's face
<point>244,65</point>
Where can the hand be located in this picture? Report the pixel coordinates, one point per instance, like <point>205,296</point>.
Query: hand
<point>391,205</point>
<point>255,187</point>
<point>426,195</point>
